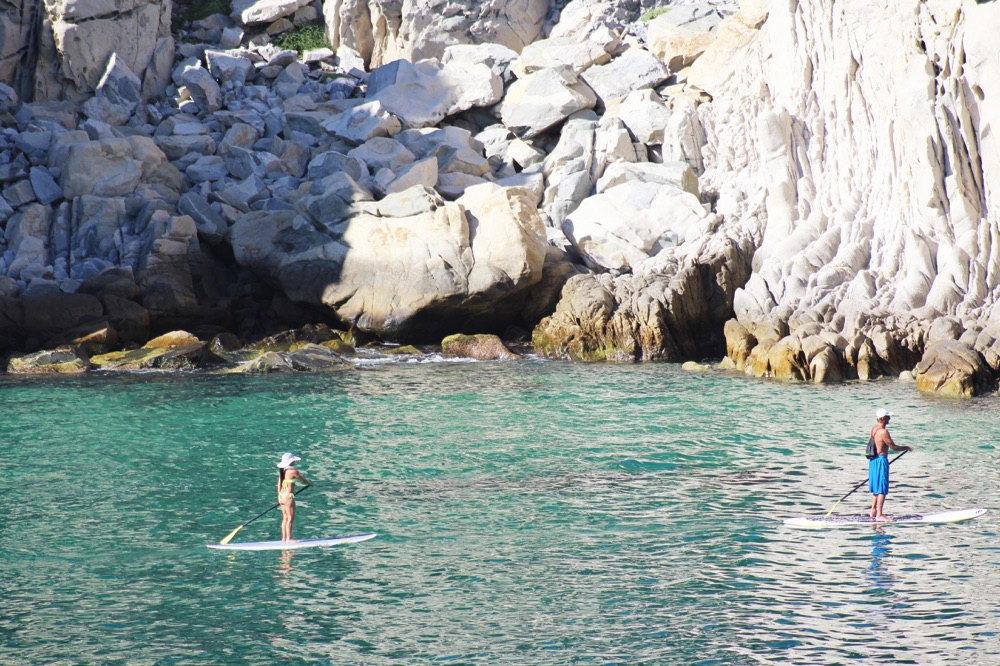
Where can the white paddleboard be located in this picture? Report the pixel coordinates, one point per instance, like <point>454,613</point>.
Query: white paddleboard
<point>822,522</point>
<point>293,545</point>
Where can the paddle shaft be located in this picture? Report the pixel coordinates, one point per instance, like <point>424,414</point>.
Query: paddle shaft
<point>861,484</point>
<point>229,537</point>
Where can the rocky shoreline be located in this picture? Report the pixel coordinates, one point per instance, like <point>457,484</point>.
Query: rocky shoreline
<point>805,189</point>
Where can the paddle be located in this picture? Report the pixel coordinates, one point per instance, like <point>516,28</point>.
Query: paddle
<point>861,484</point>
<point>229,537</point>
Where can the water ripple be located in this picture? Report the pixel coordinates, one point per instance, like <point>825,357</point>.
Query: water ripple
<point>529,513</point>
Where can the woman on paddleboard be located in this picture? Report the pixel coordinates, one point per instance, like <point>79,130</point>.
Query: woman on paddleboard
<point>287,476</point>
<point>878,467</point>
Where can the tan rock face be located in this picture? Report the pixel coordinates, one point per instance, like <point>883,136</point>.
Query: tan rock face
<point>953,369</point>
<point>672,309</point>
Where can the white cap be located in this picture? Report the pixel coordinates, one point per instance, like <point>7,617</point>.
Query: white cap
<point>287,459</point>
<point>882,412</point>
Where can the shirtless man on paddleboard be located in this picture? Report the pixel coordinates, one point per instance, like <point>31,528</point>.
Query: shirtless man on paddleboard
<point>878,467</point>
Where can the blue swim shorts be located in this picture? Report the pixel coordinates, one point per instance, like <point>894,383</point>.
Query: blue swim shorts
<point>878,475</point>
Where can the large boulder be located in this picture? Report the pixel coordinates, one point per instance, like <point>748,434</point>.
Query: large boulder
<point>57,361</point>
<point>423,94</point>
<point>954,369</point>
<point>636,69</point>
<point>575,54</point>
<point>679,36</point>
<point>633,221</point>
<point>435,266</point>
<point>481,347</point>
<point>544,99</point>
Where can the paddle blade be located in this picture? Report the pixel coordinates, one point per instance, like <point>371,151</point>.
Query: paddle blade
<point>229,537</point>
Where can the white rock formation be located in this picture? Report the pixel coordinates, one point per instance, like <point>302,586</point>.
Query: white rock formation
<point>871,198</point>
<point>422,94</point>
<point>543,99</point>
<point>383,271</point>
<point>385,31</point>
<point>633,221</point>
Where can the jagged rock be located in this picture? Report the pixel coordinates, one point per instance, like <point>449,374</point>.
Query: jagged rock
<point>954,369</point>
<point>164,272</point>
<point>383,153</point>
<point>678,38</point>
<point>61,113</point>
<point>210,224</point>
<point>231,37</point>
<point>9,99</point>
<point>228,67</point>
<point>670,174</point>
<point>101,168</point>
<point>331,162</point>
<point>207,168</point>
<point>118,94</point>
<point>44,186</point>
<point>634,70</point>
<point>586,147</point>
<point>57,361</point>
<point>645,114</point>
<point>203,89</point>
<point>179,357</point>
<point>19,194</point>
<point>673,309</point>
<point>84,37</point>
<point>308,358</point>
<point>172,339</point>
<point>495,56</point>
<point>481,347</point>
<point>739,343</point>
<point>628,223</point>
<point>363,122</point>
<point>252,12</point>
<point>26,234</point>
<point>557,51</point>
<point>419,174</point>
<point>455,149</point>
<point>544,99</point>
<point>423,94</point>
<point>830,251</point>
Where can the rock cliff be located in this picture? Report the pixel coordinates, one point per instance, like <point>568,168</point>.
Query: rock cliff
<point>804,187</point>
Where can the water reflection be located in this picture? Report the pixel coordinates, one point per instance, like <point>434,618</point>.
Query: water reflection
<point>285,566</point>
<point>879,572</point>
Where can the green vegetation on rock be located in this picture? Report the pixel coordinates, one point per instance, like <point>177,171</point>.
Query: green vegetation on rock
<point>653,13</point>
<point>310,36</point>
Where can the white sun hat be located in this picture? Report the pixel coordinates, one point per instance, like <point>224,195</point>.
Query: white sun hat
<point>287,459</point>
<point>882,412</point>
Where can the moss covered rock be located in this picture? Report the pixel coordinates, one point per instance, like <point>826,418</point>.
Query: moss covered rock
<point>480,347</point>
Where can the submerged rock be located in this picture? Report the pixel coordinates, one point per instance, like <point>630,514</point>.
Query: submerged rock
<point>58,361</point>
<point>481,347</point>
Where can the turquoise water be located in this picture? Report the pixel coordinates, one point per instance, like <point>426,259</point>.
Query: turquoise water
<point>528,513</point>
